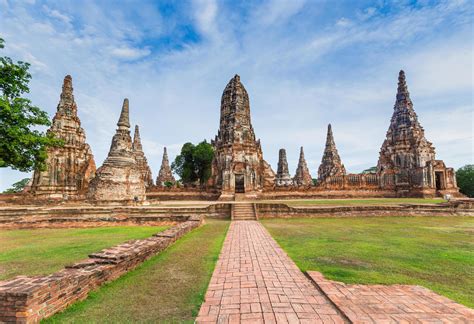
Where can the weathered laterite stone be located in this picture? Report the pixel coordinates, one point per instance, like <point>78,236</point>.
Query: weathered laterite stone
<point>119,178</point>
<point>331,164</point>
<point>238,165</point>
<point>407,161</point>
<point>283,177</point>
<point>302,176</point>
<point>69,168</point>
<point>165,174</point>
<point>141,158</point>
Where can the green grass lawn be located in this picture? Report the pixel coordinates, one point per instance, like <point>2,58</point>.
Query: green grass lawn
<point>169,287</point>
<point>44,251</point>
<point>435,252</point>
<point>349,202</point>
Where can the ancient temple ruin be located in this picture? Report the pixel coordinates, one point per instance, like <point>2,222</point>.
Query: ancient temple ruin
<point>407,162</point>
<point>238,165</point>
<point>119,178</point>
<point>283,177</point>
<point>302,176</point>
<point>331,164</point>
<point>165,175</point>
<point>141,158</point>
<point>70,167</point>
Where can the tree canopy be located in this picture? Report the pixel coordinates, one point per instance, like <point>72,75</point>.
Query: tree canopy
<point>18,186</point>
<point>22,146</point>
<point>194,163</point>
<point>465,180</point>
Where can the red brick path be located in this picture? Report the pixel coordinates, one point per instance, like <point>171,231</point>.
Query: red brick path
<point>255,282</point>
<point>393,303</point>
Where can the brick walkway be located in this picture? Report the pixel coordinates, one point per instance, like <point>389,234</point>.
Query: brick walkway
<point>255,282</point>
<point>392,303</point>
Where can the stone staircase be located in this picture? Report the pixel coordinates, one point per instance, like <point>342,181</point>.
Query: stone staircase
<point>243,211</point>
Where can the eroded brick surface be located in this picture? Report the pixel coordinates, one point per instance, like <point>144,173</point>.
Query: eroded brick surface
<point>255,281</point>
<point>392,304</point>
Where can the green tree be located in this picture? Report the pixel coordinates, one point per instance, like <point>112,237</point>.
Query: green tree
<point>370,170</point>
<point>17,186</point>
<point>465,180</point>
<point>194,162</point>
<point>22,147</point>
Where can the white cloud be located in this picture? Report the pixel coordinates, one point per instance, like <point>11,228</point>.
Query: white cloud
<point>298,80</point>
<point>130,53</point>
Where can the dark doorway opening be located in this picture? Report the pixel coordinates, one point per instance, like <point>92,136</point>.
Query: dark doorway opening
<point>439,180</point>
<point>239,183</point>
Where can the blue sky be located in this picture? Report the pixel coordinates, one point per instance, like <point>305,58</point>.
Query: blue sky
<point>304,63</point>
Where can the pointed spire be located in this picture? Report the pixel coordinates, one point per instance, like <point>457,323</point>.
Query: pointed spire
<point>124,116</point>
<point>66,104</point>
<point>137,142</point>
<point>402,91</point>
<point>165,174</point>
<point>330,137</point>
<point>302,175</point>
<point>67,87</point>
<point>283,177</point>
<point>331,164</point>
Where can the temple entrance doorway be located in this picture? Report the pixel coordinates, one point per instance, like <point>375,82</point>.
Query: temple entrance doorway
<point>239,183</point>
<point>439,180</point>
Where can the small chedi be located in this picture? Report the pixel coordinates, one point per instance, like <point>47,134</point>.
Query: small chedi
<point>69,168</point>
<point>165,175</point>
<point>331,164</point>
<point>407,161</point>
<point>141,158</point>
<point>283,177</point>
<point>119,178</point>
<point>238,165</point>
<point>302,176</point>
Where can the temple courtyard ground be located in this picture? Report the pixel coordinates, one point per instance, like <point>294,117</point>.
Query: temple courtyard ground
<point>434,252</point>
<point>44,251</point>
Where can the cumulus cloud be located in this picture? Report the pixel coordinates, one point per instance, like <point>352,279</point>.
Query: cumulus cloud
<point>305,64</point>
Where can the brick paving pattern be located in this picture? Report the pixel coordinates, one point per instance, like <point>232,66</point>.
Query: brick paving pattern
<point>255,282</point>
<point>392,304</point>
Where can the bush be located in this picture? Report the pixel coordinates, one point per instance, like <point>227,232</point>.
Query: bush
<point>465,180</point>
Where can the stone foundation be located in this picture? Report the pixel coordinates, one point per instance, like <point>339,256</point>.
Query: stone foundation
<point>92,216</point>
<point>455,208</point>
<point>30,299</point>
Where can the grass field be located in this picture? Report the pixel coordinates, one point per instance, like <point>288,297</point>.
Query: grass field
<point>44,251</point>
<point>435,252</point>
<point>169,287</point>
<point>355,202</point>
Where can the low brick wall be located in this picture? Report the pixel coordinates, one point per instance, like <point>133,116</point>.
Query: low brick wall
<point>268,210</point>
<point>30,299</point>
<point>93,216</point>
